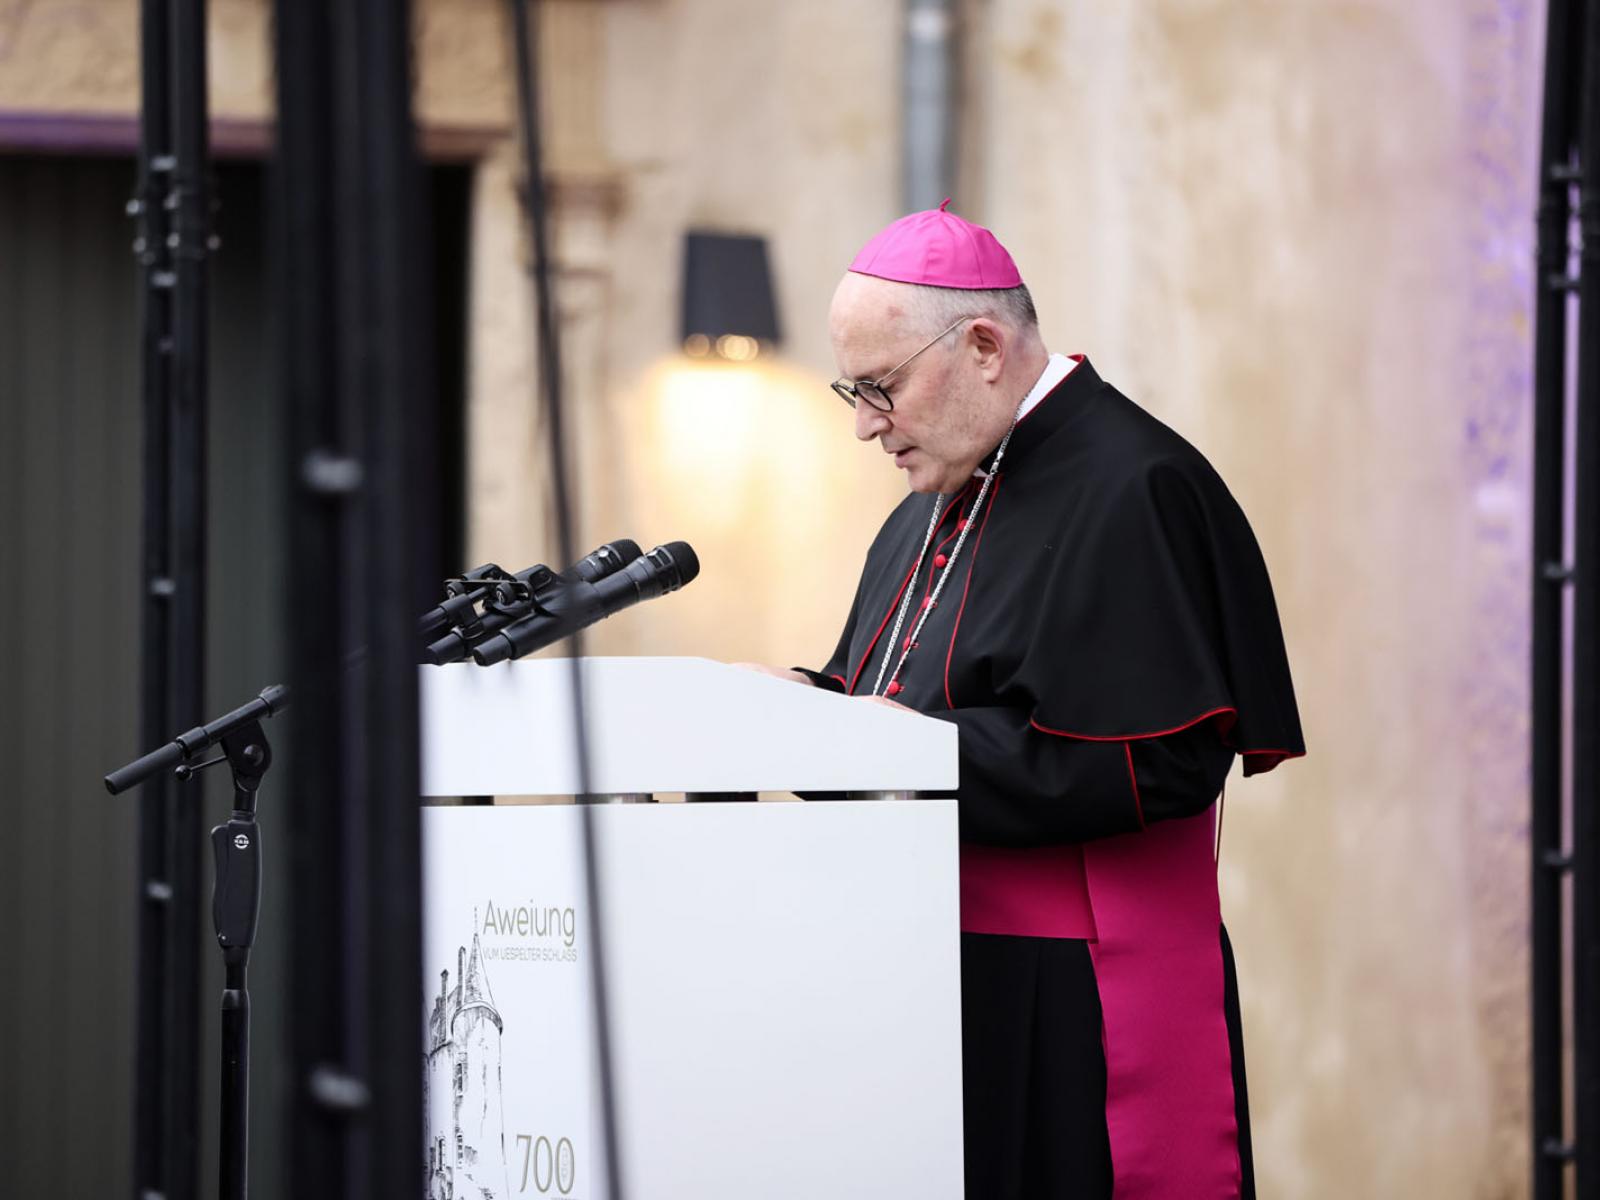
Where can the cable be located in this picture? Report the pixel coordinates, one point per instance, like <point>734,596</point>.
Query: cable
<point>546,332</point>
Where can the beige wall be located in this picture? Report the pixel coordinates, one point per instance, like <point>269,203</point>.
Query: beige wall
<point>1298,231</point>
<point>1301,234</point>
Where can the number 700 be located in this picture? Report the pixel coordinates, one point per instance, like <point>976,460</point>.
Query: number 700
<point>550,1163</point>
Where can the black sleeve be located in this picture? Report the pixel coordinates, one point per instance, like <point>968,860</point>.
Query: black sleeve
<point>828,683</point>
<point>1022,787</point>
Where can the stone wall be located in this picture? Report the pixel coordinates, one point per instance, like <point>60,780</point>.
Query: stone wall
<point>1301,233</point>
<point>1298,232</point>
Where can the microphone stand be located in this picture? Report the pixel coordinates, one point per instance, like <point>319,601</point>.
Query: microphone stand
<point>236,883</point>
<point>235,907</point>
<point>235,896</point>
<point>236,844</point>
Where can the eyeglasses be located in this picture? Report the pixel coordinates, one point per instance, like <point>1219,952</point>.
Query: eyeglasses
<point>872,390</point>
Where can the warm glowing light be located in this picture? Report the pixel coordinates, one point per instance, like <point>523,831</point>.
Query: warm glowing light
<point>728,422</point>
<point>707,416</point>
<point>731,347</point>
<point>735,347</point>
<point>755,465</point>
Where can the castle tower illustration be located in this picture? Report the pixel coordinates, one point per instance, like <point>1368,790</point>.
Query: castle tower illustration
<point>465,1158</point>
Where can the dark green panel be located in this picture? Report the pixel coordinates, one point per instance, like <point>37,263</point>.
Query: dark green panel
<point>70,494</point>
<point>69,628</point>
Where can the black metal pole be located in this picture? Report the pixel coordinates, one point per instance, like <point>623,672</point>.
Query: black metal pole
<point>233,1159</point>
<point>188,206</point>
<point>303,214</point>
<point>1551,577</point>
<point>1586,643</point>
<point>352,265</point>
<point>235,909</point>
<point>399,536</point>
<point>152,1086</point>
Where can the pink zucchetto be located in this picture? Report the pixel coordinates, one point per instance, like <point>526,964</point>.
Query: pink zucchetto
<point>939,249</point>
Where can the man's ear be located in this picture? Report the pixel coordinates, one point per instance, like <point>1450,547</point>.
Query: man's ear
<point>987,342</point>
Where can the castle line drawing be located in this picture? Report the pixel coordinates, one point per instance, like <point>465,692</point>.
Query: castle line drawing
<point>465,1126</point>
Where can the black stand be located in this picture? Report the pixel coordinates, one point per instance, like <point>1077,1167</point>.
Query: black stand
<point>235,907</point>
<point>174,212</point>
<point>235,897</point>
<point>1564,817</point>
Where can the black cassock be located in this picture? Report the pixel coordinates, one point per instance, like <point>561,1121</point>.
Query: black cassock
<point>1107,643</point>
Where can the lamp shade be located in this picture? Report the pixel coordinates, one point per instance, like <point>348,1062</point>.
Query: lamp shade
<point>727,289</point>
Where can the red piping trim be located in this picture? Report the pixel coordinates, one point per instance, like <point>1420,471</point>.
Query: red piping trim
<point>955,507</point>
<point>971,567</point>
<point>959,499</point>
<point>1271,759</point>
<point>1076,360</point>
<point>927,588</point>
<point>843,682</point>
<point>850,688</point>
<point>1276,756</point>
<point>1133,779</point>
<point>1123,737</point>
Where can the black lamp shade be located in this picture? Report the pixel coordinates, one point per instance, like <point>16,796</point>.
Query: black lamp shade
<point>727,288</point>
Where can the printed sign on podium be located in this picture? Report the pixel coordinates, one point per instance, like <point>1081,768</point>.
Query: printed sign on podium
<point>783,986</point>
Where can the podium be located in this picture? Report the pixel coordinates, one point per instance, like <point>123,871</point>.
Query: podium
<point>783,978</point>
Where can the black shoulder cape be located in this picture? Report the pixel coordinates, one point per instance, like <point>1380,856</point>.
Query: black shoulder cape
<point>1111,589</point>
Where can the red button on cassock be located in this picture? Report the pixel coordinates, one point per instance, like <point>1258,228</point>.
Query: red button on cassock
<point>927,602</point>
<point>893,689</point>
<point>961,524</point>
<point>939,560</point>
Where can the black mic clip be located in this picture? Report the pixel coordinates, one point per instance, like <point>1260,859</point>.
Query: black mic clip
<point>462,595</point>
<point>516,596</point>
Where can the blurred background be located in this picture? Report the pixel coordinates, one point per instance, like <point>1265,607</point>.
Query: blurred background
<point>1298,231</point>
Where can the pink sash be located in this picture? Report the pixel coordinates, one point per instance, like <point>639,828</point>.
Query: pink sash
<point>1029,893</point>
<point>1154,929</point>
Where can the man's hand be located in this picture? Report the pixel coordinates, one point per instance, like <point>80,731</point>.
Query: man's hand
<point>886,702</point>
<point>775,672</point>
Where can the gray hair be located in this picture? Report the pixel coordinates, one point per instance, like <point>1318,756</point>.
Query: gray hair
<point>941,307</point>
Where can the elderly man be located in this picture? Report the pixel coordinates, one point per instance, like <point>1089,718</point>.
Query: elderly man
<point>1072,586</point>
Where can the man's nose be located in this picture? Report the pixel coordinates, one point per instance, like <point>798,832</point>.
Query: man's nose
<point>870,422</point>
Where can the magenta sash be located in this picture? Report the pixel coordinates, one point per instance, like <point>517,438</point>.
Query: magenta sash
<point>1158,963</point>
<point>1025,892</point>
<point>1147,904</point>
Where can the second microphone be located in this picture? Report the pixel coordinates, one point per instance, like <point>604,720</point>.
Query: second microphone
<point>580,604</point>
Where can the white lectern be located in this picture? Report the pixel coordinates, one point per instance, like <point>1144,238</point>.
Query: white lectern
<point>783,979</point>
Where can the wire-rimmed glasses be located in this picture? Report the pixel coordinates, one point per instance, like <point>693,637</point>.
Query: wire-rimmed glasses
<point>872,390</point>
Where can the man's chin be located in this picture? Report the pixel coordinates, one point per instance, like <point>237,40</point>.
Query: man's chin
<point>918,481</point>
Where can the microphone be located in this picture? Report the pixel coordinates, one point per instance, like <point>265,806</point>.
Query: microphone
<point>580,604</point>
<point>607,560</point>
<point>272,701</point>
<point>516,595</point>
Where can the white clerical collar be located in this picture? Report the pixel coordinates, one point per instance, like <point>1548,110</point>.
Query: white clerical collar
<point>1055,370</point>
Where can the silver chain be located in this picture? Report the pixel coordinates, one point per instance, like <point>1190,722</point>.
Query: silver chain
<point>946,572</point>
